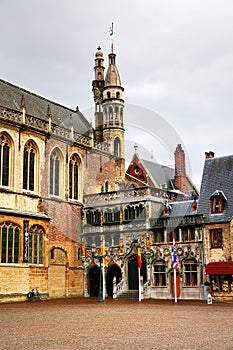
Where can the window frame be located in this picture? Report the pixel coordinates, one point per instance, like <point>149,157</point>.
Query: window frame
<point>190,275</point>
<point>160,276</point>
<point>12,246</point>
<point>217,232</point>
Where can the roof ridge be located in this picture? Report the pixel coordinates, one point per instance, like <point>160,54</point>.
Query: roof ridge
<point>36,95</point>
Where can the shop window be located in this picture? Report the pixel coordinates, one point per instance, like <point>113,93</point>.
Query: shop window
<point>35,245</point>
<point>9,243</point>
<point>160,274</point>
<point>216,238</point>
<point>221,283</point>
<point>190,273</point>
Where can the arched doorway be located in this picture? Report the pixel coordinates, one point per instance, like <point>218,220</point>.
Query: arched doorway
<point>57,273</point>
<point>133,271</point>
<point>113,271</point>
<point>94,281</point>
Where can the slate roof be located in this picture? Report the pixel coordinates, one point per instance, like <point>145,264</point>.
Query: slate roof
<point>161,174</point>
<point>181,208</point>
<point>11,97</point>
<point>217,176</point>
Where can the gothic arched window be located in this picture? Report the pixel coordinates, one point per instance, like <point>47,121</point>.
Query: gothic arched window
<point>74,165</point>
<point>29,156</point>
<point>4,160</point>
<point>9,243</point>
<point>55,172</point>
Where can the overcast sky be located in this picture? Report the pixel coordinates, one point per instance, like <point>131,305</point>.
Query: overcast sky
<point>175,58</point>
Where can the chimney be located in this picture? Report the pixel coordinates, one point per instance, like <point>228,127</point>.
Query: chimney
<point>209,154</point>
<point>180,179</point>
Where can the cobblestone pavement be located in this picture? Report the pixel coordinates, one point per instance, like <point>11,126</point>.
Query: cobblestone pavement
<point>116,324</point>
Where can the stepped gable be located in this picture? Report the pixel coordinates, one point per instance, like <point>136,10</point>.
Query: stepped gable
<point>217,176</point>
<point>11,97</point>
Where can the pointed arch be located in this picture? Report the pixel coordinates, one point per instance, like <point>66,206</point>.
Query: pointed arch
<point>75,177</point>
<point>56,173</point>
<point>6,159</point>
<point>30,166</point>
<point>10,242</point>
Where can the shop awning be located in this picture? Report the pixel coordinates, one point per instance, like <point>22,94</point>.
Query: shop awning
<point>220,268</point>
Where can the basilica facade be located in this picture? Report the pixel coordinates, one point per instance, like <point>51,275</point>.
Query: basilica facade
<point>73,218</point>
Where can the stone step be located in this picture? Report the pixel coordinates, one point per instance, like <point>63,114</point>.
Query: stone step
<point>128,294</point>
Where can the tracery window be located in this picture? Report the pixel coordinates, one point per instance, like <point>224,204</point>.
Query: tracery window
<point>160,274</point>
<point>29,166</point>
<point>190,272</point>
<point>55,165</point>
<point>74,165</point>
<point>35,245</point>
<point>9,243</point>
<point>4,160</point>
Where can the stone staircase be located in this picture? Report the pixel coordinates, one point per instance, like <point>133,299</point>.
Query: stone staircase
<point>128,294</point>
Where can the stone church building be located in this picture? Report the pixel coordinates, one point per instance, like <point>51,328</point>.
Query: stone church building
<point>72,217</point>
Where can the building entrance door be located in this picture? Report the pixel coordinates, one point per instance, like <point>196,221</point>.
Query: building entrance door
<point>113,271</point>
<point>94,281</point>
<point>177,285</point>
<point>133,271</point>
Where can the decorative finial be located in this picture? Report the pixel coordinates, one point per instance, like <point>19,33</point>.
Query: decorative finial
<point>136,147</point>
<point>111,34</point>
<point>98,48</point>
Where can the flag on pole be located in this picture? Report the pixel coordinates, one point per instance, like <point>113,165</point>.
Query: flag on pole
<point>139,258</point>
<point>175,259</point>
<point>111,30</point>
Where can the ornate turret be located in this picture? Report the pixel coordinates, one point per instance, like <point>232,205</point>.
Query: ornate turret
<point>97,88</point>
<point>109,107</point>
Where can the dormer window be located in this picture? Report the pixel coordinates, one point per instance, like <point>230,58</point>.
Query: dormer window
<point>217,202</point>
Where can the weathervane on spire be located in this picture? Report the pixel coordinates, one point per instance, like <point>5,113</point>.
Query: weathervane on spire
<point>111,34</point>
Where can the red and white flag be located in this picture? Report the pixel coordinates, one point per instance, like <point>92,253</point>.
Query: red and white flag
<point>175,259</point>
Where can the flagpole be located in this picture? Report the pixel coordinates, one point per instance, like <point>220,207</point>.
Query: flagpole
<point>175,285</point>
<point>103,267</point>
<point>175,266</point>
<point>139,286</point>
<point>139,274</point>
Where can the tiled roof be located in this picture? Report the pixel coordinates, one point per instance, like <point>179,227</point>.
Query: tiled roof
<point>37,106</point>
<point>161,174</point>
<point>217,176</point>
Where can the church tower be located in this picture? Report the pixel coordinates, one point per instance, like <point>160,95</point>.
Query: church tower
<point>109,107</point>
